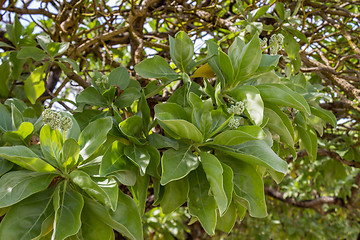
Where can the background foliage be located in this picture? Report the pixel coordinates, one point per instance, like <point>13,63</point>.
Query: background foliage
<point>318,197</point>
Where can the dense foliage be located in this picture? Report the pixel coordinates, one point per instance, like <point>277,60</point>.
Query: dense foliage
<point>142,117</point>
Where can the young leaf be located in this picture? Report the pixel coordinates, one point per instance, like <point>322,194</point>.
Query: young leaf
<point>200,203</point>
<point>183,129</point>
<point>177,164</point>
<point>214,175</point>
<point>25,158</point>
<point>68,205</point>
<point>18,185</point>
<point>70,153</point>
<point>51,144</point>
<point>226,68</point>
<point>93,136</point>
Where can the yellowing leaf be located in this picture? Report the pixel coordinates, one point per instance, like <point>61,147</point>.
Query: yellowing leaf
<point>204,71</point>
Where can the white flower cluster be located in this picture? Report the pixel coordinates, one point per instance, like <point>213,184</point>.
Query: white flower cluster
<point>276,42</point>
<point>103,81</point>
<point>263,42</point>
<point>234,123</point>
<point>55,121</point>
<point>237,109</point>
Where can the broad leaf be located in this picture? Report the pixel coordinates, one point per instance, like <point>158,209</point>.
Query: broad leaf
<point>170,111</point>
<point>119,77</point>
<point>31,52</point>
<point>70,153</point>
<point>214,175</point>
<point>324,114</point>
<point>51,144</point>
<point>200,203</point>
<point>183,129</point>
<point>156,67</point>
<point>175,194</point>
<point>240,135</point>
<point>181,50</point>
<point>139,155</point>
<point>92,97</point>
<point>5,166</point>
<point>140,192</point>
<point>25,158</point>
<point>226,68</point>
<point>176,164</point>
<point>93,136</point>
<point>34,85</point>
<point>226,222</point>
<point>18,185</point>
<point>5,119</point>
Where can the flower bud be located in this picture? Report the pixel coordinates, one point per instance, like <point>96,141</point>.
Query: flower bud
<point>66,123</point>
<point>237,109</point>
<point>234,123</point>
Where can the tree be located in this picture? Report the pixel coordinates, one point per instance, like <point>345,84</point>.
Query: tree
<point>111,109</point>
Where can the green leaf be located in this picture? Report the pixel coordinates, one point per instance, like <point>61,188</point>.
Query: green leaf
<point>133,129</point>
<point>228,177</point>
<point>257,13</point>
<point>156,67</point>
<point>4,79</point>
<point>283,96</point>
<point>85,182</point>
<point>126,218</point>
<point>280,123</point>
<point>183,129</point>
<point>308,140</point>
<point>257,152</point>
<point>248,186</point>
<point>254,106</point>
<point>31,52</point>
<point>177,164</point>
<point>5,166</point>
<point>175,194</point>
<point>92,228</point>
<point>70,153</point>
<point>72,63</point>
<point>235,53</point>
<point>181,50</point>
<point>93,136</point>
<point>119,77</point>
<point>51,144</point>
<point>68,205</point>
<point>226,222</point>
<point>214,175</point>
<point>280,10</point>
<point>140,192</point>
<point>160,141</point>
<point>139,155</point>
<point>18,137</point>
<point>145,112</point>
<point>92,97</point>
<point>25,158</point>
<point>43,40</point>
<point>200,203</point>
<point>324,114</point>
<point>153,168</point>
<point>2,44</point>
<point>213,49</point>
<point>34,85</point>
<point>18,185</point>
<point>127,97</point>
<point>170,111</point>
<point>24,220</point>
<point>16,117</point>
<point>226,68</point>
<point>268,63</point>
<point>250,60</point>
<point>240,135</point>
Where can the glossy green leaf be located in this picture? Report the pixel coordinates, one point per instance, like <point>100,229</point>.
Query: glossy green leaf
<point>324,114</point>
<point>160,141</point>
<point>92,97</point>
<point>18,185</point>
<point>226,68</point>
<point>228,177</point>
<point>139,155</point>
<point>16,116</point>
<point>213,49</point>
<point>235,51</point>
<point>92,228</point>
<point>156,67</point>
<point>283,96</point>
<point>280,124</point>
<point>31,52</point>
<point>72,63</point>
<point>175,194</point>
<point>183,129</point>
<point>127,97</point>
<point>24,220</point>
<point>140,192</point>
<point>119,77</point>
<point>240,135</point>
<point>51,144</point>
<point>254,105</point>
<point>248,186</point>
<point>25,158</point>
<point>132,127</point>
<point>68,205</point>
<point>214,175</point>
<point>18,137</point>
<point>34,85</point>
<point>153,168</point>
<point>181,50</point>
<point>85,182</point>
<point>5,166</point>
<point>200,203</point>
<point>176,164</point>
<point>226,222</point>
<point>308,140</point>
<point>257,13</point>
<point>268,63</point>
<point>170,111</point>
<point>5,119</point>
<point>93,136</point>
<point>70,153</point>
